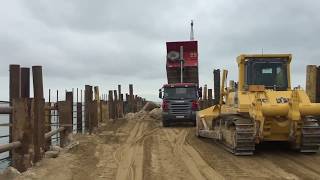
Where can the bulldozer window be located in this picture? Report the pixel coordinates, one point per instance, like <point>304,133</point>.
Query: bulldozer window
<point>271,74</point>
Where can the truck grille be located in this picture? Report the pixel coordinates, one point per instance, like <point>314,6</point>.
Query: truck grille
<point>179,109</point>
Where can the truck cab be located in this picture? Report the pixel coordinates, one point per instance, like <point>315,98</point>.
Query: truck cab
<point>179,102</point>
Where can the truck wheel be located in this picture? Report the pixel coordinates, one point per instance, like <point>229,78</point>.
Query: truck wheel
<point>165,123</point>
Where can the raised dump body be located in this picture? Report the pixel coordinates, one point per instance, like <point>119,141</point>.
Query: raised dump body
<point>190,62</point>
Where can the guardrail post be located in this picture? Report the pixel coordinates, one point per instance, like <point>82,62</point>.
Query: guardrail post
<point>87,100</point>
<point>116,102</point>
<point>69,98</point>
<point>39,116</point>
<point>93,115</point>
<point>25,82</point>
<point>126,104</point>
<point>135,103</point>
<point>79,117</point>
<point>121,106</point>
<point>98,110</point>
<point>140,104</point>
<point>22,131</point>
<point>216,88</point>
<point>131,98</point>
<point>64,109</point>
<point>209,97</point>
<point>205,96</point>
<point>14,91</point>
<point>110,105</point>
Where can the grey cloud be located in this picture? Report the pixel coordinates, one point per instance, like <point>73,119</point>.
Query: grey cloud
<point>111,42</point>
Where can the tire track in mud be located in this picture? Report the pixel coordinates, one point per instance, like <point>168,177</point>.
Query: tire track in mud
<point>160,160</point>
<point>191,158</point>
<point>127,154</point>
<point>131,154</point>
<point>264,164</point>
<point>294,164</point>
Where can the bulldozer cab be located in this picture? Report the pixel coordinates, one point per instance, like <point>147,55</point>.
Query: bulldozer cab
<point>271,71</point>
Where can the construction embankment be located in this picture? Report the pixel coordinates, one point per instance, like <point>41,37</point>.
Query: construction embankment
<point>138,147</point>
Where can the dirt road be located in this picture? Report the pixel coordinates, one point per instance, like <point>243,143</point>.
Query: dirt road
<point>139,148</point>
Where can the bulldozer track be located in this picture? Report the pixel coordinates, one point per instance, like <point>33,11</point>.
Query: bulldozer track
<point>310,139</point>
<point>241,140</point>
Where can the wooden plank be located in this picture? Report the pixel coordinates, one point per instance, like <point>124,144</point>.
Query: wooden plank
<point>39,113</point>
<point>5,110</point>
<point>10,146</point>
<point>93,115</point>
<point>53,132</point>
<point>64,119</point>
<point>47,124</point>
<point>22,158</point>
<point>39,128</point>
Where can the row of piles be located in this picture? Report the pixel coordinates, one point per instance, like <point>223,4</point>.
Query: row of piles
<point>100,108</point>
<point>30,118</point>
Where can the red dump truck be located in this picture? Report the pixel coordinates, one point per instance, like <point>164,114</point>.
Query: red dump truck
<point>181,94</point>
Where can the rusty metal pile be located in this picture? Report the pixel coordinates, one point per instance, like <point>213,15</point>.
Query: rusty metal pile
<point>35,125</point>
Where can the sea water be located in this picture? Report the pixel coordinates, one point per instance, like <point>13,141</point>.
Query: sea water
<point>4,131</point>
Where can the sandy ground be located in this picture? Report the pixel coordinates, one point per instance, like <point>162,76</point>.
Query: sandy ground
<point>139,148</point>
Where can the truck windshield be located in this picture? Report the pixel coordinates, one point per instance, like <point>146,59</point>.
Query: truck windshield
<point>180,93</point>
<point>271,73</point>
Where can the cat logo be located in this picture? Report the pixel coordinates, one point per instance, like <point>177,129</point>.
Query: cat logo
<point>282,100</point>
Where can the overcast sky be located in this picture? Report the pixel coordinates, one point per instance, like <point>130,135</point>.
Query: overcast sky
<point>106,42</point>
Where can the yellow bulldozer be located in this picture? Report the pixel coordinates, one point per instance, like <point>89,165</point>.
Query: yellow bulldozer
<point>261,106</point>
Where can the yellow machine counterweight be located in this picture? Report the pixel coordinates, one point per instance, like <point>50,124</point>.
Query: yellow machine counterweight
<point>261,106</point>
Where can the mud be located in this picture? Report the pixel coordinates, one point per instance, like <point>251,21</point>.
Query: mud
<point>138,147</point>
